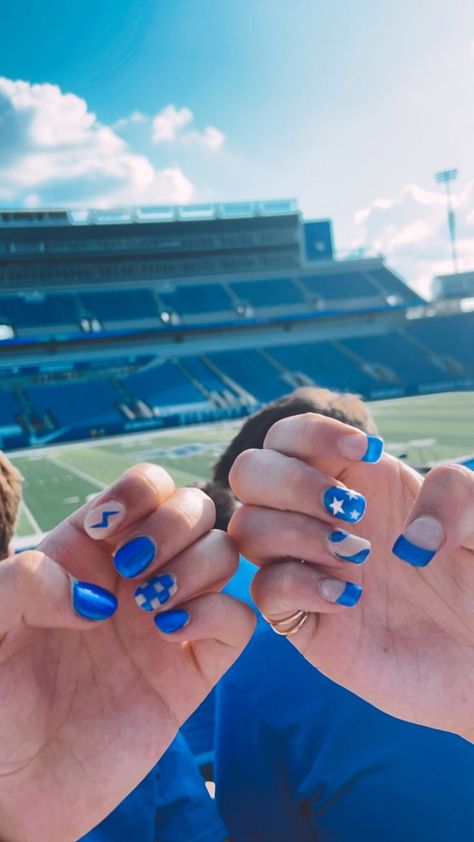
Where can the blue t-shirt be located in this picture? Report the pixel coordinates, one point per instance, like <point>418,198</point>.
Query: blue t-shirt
<point>170,805</point>
<point>299,758</point>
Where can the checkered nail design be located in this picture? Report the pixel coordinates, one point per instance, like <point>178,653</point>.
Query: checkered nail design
<point>153,594</point>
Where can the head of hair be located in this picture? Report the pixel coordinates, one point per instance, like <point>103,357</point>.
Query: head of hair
<point>345,407</point>
<point>10,496</point>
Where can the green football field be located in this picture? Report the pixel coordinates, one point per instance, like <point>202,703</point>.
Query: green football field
<point>59,479</point>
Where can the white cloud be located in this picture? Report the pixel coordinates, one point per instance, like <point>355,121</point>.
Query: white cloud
<point>54,149</point>
<point>170,125</point>
<point>132,119</point>
<point>169,122</point>
<point>411,231</point>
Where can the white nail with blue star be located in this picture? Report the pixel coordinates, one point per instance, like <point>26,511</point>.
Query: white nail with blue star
<point>153,594</point>
<point>348,547</point>
<point>344,503</point>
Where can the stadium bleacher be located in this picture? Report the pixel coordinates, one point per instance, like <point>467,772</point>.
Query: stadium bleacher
<point>89,346</point>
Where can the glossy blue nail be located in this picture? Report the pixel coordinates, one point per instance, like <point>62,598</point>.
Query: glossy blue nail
<point>344,503</point>
<point>151,595</point>
<point>349,547</point>
<point>412,553</point>
<point>374,449</point>
<point>172,621</point>
<point>135,556</point>
<point>350,595</point>
<point>92,602</point>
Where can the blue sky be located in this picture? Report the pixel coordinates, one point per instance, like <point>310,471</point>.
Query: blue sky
<point>347,106</point>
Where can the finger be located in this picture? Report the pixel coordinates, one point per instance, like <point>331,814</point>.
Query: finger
<point>36,591</point>
<point>322,441</point>
<point>137,493</point>
<point>268,478</point>
<point>441,518</point>
<point>177,524</point>
<point>212,630</point>
<point>217,617</point>
<point>279,590</point>
<point>265,535</point>
<point>205,566</point>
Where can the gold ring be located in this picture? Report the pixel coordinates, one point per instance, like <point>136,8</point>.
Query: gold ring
<point>289,625</point>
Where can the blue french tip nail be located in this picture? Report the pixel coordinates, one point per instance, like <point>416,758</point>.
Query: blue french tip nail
<point>344,503</point>
<point>374,449</point>
<point>171,621</point>
<point>151,595</point>
<point>350,595</point>
<point>412,553</point>
<point>92,602</point>
<point>135,556</point>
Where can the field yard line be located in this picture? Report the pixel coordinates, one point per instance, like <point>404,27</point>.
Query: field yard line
<point>34,523</point>
<point>77,472</point>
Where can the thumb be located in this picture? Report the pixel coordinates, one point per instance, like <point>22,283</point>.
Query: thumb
<point>441,518</point>
<point>37,591</point>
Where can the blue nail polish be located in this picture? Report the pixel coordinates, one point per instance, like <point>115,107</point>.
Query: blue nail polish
<point>412,553</point>
<point>350,595</point>
<point>349,547</point>
<point>151,595</point>
<point>344,503</point>
<point>172,621</point>
<point>135,556</point>
<point>374,449</point>
<point>92,602</point>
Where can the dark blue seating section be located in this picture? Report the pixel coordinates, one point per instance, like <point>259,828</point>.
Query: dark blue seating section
<point>271,293</point>
<point>450,336</point>
<point>250,370</point>
<point>120,305</point>
<point>162,386</point>
<point>37,312</point>
<point>325,364</point>
<point>393,285</point>
<point>203,374</point>
<point>134,304</point>
<point>9,408</point>
<point>202,298</point>
<point>409,364</point>
<point>436,350</point>
<point>71,403</point>
<point>338,285</point>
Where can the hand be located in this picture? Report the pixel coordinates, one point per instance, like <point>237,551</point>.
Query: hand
<point>406,641</point>
<point>87,707</point>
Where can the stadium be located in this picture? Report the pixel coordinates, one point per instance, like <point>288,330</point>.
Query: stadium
<point>145,334</point>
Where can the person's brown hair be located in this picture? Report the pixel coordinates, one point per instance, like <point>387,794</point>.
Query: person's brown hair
<point>10,496</point>
<point>344,407</point>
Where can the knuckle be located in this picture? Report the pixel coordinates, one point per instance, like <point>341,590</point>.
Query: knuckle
<point>448,477</point>
<point>239,525</point>
<point>25,568</point>
<point>241,469</point>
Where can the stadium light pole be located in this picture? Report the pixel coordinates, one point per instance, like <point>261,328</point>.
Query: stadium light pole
<point>446,177</point>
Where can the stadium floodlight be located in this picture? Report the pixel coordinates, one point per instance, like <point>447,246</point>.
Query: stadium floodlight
<point>446,177</point>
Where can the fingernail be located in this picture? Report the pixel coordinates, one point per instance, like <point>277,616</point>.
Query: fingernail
<point>344,593</point>
<point>361,447</point>
<point>92,602</point>
<point>420,541</point>
<point>344,503</point>
<point>104,519</point>
<point>172,621</point>
<point>135,556</point>
<point>348,547</point>
<point>151,595</point>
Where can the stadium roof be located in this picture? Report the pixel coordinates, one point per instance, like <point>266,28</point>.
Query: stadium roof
<point>158,213</point>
